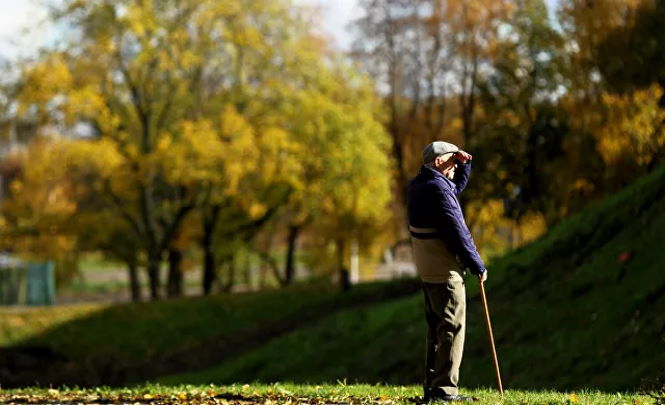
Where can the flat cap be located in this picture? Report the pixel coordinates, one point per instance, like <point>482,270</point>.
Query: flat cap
<point>438,148</point>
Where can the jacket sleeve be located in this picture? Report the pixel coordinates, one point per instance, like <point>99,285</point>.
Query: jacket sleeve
<point>453,230</point>
<point>461,177</point>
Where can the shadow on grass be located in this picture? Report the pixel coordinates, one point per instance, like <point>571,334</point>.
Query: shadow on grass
<point>131,343</point>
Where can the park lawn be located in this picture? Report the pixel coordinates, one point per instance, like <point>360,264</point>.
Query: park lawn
<point>287,393</point>
<point>135,333</point>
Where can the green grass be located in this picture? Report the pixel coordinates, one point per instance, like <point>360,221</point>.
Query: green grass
<point>114,286</point>
<point>372,344</point>
<point>95,261</point>
<point>313,394</point>
<point>135,333</point>
<point>566,314</point>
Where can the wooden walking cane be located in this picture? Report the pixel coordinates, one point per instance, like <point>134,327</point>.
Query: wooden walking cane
<point>489,332</point>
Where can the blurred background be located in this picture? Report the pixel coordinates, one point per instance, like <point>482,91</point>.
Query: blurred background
<point>162,148</point>
<point>209,160</point>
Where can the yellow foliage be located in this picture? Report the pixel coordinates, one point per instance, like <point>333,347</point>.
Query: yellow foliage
<point>226,101</point>
<point>84,102</point>
<point>140,17</point>
<point>531,226</point>
<point>44,80</point>
<point>494,233</point>
<point>583,185</point>
<point>240,151</point>
<point>256,210</point>
<point>630,126</point>
<point>189,158</point>
<point>42,205</point>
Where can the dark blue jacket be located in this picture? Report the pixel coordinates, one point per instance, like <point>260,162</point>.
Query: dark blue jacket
<point>432,203</point>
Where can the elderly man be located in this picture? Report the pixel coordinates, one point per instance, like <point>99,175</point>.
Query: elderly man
<point>444,251</point>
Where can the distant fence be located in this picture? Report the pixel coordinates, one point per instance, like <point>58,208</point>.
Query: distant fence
<point>27,284</point>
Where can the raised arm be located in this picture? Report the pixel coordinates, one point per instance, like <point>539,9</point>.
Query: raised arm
<point>461,177</point>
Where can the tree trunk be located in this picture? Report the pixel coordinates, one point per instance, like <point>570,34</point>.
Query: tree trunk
<point>174,288</point>
<point>153,275</point>
<point>294,230</point>
<point>209,268</point>
<point>393,106</point>
<point>530,187</point>
<point>134,285</point>
<point>344,279</point>
<point>468,97</point>
<point>209,261</point>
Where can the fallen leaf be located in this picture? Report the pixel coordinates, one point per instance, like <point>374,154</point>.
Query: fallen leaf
<point>623,257</point>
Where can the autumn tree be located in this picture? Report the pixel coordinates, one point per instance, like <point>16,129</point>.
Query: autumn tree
<point>341,188</point>
<point>196,102</point>
<point>136,73</point>
<point>604,121</point>
<point>520,111</point>
<point>425,54</point>
<point>631,60</point>
<point>40,206</point>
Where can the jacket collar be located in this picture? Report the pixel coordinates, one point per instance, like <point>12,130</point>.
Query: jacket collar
<point>428,173</point>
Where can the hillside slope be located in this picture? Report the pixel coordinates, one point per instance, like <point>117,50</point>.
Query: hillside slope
<point>97,344</point>
<point>583,306</point>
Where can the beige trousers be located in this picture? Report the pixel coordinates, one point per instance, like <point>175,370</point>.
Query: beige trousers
<point>445,312</point>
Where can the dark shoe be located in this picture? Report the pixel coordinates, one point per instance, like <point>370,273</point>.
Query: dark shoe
<point>436,395</point>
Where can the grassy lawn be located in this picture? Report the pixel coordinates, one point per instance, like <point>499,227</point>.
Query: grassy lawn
<point>138,332</point>
<point>284,393</point>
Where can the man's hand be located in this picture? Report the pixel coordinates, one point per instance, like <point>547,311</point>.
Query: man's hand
<point>462,156</point>
<point>483,277</point>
